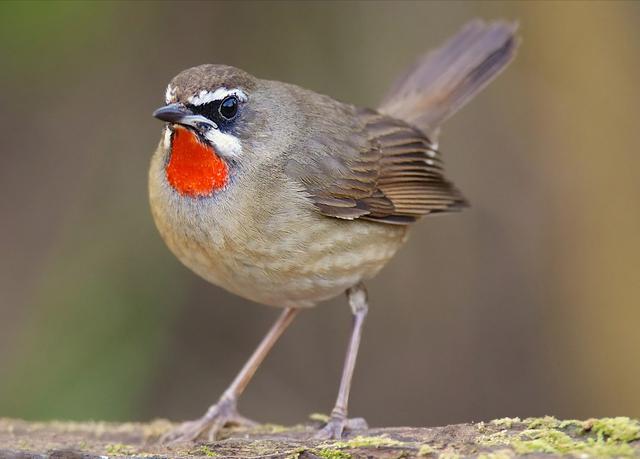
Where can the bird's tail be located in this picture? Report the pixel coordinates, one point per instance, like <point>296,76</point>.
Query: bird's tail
<point>445,79</point>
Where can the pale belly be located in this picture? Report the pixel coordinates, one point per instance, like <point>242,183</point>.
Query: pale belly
<point>299,269</point>
<point>287,256</point>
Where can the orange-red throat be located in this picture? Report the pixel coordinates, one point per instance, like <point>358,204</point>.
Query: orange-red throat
<point>194,168</point>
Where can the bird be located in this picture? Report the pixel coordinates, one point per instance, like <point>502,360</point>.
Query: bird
<point>287,197</point>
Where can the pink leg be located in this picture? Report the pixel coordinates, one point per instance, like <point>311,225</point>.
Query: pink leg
<point>338,421</point>
<point>225,411</point>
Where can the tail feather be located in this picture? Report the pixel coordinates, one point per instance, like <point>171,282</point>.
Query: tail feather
<point>444,80</point>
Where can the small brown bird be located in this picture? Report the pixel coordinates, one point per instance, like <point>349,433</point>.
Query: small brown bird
<point>288,198</point>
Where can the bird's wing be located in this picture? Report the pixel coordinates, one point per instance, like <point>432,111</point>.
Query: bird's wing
<point>385,171</point>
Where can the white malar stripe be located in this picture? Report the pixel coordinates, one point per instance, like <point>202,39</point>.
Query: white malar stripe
<point>170,94</point>
<point>204,96</point>
<point>167,138</point>
<point>225,144</point>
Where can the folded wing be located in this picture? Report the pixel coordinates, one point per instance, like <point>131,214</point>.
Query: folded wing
<point>393,174</point>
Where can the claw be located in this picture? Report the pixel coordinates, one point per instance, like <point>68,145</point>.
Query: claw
<point>217,416</point>
<point>332,430</point>
<point>335,427</point>
<point>216,426</point>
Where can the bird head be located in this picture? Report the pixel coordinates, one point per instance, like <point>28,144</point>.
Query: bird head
<point>218,122</point>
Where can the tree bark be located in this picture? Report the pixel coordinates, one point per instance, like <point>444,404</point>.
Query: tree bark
<point>499,439</point>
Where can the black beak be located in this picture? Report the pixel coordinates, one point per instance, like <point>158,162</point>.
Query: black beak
<point>173,113</point>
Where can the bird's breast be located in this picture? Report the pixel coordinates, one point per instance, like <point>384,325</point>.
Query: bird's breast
<point>269,245</point>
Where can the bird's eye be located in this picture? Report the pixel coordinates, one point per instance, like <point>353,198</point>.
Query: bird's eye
<point>229,107</point>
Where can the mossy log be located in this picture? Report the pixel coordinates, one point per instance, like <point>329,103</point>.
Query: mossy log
<point>498,439</point>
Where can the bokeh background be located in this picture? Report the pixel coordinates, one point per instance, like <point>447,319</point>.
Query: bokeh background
<point>528,303</point>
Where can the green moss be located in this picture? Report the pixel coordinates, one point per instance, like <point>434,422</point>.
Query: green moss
<point>206,450</point>
<point>330,453</point>
<point>505,423</point>
<point>295,454</point>
<point>549,441</point>
<point>550,422</point>
<point>494,439</point>
<point>557,442</point>
<point>118,449</point>
<point>548,435</point>
<point>547,422</point>
<point>621,429</point>
<point>334,450</point>
<point>570,423</point>
<point>425,450</point>
<point>367,442</point>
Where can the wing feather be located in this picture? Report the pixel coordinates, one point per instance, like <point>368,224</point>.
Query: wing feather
<point>445,79</point>
<point>388,172</point>
<point>382,165</point>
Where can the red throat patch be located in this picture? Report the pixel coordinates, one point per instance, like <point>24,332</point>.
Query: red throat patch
<point>194,168</point>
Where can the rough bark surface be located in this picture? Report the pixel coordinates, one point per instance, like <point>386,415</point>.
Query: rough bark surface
<point>499,439</point>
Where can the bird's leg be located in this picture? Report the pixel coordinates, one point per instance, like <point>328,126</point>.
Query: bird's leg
<point>225,411</point>
<point>338,420</point>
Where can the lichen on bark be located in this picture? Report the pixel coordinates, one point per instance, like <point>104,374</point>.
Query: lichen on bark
<point>499,439</point>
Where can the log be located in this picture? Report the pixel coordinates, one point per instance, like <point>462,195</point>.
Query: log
<point>499,439</point>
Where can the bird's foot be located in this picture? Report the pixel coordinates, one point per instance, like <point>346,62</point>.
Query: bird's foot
<point>223,413</point>
<point>336,425</point>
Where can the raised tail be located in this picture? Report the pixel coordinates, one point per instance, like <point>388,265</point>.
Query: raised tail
<point>445,79</point>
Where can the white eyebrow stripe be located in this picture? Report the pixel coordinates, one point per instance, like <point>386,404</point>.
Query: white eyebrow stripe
<point>204,96</point>
<point>170,94</point>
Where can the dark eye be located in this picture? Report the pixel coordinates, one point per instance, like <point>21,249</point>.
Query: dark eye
<point>229,107</point>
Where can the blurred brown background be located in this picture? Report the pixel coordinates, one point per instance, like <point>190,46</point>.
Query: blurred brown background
<point>528,303</point>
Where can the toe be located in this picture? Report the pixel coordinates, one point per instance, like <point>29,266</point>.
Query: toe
<point>332,431</point>
<point>187,431</point>
<point>215,427</point>
<point>212,422</point>
<point>335,427</point>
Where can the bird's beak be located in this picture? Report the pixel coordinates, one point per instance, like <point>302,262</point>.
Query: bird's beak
<point>179,114</point>
<point>173,113</point>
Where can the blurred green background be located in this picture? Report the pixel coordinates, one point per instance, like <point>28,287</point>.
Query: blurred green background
<point>528,303</point>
